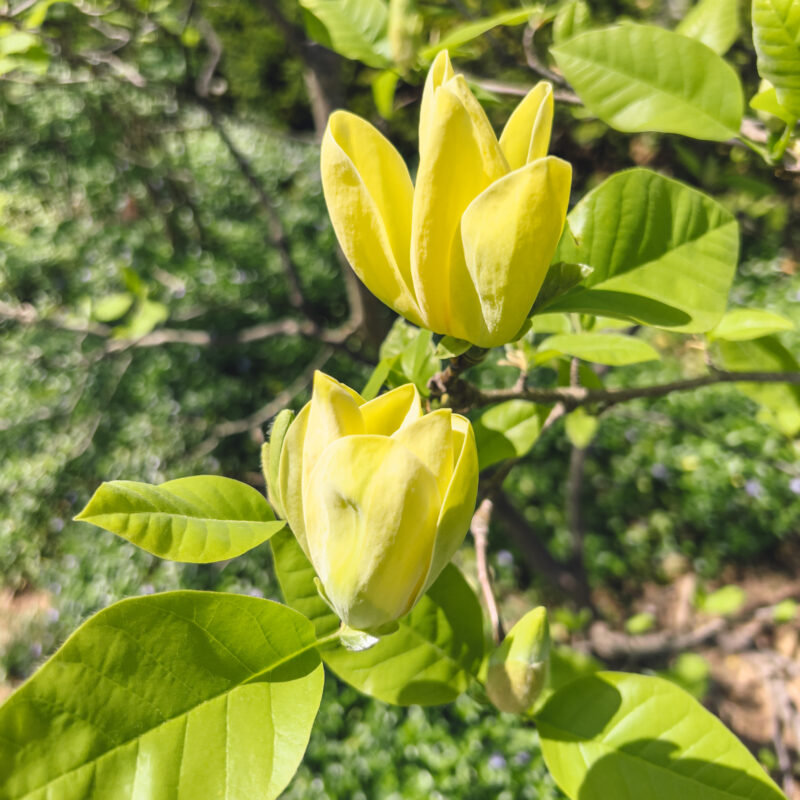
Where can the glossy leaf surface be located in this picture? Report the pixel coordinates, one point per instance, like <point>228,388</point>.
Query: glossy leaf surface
<point>776,35</point>
<point>201,519</point>
<point>185,694</point>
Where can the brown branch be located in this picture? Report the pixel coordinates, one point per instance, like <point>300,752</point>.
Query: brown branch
<point>574,396</point>
<point>480,533</point>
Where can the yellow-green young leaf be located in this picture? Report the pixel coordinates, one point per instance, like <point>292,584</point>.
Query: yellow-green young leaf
<point>612,349</point>
<point>383,88</point>
<point>725,601</point>
<point>450,347</point>
<point>785,611</point>
<point>581,428</point>
<point>629,737</point>
<point>767,101</point>
<point>640,623</point>
<point>662,253</point>
<point>146,316</point>
<point>780,402</point>
<point>715,23</point>
<point>741,324</point>
<point>430,659</point>
<point>550,323</point>
<point>186,694</point>
<point>355,29</point>
<point>691,672</point>
<point>643,78</point>
<point>201,519</point>
<point>507,430</point>
<point>572,19</point>
<point>463,34</point>
<point>776,35</point>
<point>112,306</point>
<point>560,278</point>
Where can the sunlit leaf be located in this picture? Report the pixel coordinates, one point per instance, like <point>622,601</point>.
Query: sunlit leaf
<point>601,348</point>
<point>715,23</point>
<point>776,36</point>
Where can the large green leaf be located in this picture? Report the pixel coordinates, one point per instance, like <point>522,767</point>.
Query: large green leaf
<point>643,78</point>
<point>715,23</point>
<point>200,519</point>
<point>776,35</point>
<point>186,694</point>
<point>631,737</point>
<point>663,254</point>
<point>780,402</point>
<point>612,349</point>
<point>430,659</point>
<point>507,430</point>
<point>355,29</point>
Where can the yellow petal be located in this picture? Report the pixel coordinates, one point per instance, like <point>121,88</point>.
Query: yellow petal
<point>459,500</point>
<point>371,509</point>
<point>334,413</point>
<point>369,194</point>
<point>290,475</point>
<point>526,136</point>
<point>389,412</point>
<point>510,233</point>
<point>431,440</point>
<point>440,72</point>
<point>459,157</point>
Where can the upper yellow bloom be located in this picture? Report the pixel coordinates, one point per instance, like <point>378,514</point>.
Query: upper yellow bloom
<point>378,496</point>
<point>465,251</point>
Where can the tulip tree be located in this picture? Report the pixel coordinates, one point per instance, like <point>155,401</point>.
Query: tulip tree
<point>200,694</point>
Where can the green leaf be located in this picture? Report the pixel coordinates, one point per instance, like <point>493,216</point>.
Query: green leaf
<point>724,602</point>
<point>429,660</point>
<point>785,611</point>
<point>417,361</point>
<point>147,315</point>
<point>632,737</point>
<point>560,278</point>
<point>201,519</point>
<point>580,427</point>
<point>572,19</point>
<point>776,36</point>
<point>663,253</point>
<point>450,347</point>
<point>640,623</point>
<point>507,430</point>
<point>780,402</point>
<point>466,33</point>
<point>715,23</point>
<point>601,348</point>
<point>767,100</point>
<point>742,324</point>
<point>383,88</point>
<point>379,376</point>
<point>691,672</point>
<point>550,323</point>
<point>186,694</point>
<point>112,306</point>
<point>643,78</point>
<point>353,28</point>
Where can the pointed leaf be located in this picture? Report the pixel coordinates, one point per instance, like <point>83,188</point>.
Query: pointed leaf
<point>741,324</point>
<point>619,735</point>
<point>185,694</point>
<point>507,430</point>
<point>601,348</point>
<point>644,78</point>
<point>776,35</point>
<point>715,23</point>
<point>201,519</point>
<point>663,253</point>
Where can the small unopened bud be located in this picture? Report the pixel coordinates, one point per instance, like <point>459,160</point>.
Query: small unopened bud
<point>518,667</point>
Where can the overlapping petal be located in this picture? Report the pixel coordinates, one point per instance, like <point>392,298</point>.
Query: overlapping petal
<point>509,234</point>
<point>371,527</point>
<point>388,412</point>
<point>526,135</point>
<point>369,194</point>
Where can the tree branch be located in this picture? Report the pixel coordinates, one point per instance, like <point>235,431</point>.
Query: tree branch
<point>480,533</point>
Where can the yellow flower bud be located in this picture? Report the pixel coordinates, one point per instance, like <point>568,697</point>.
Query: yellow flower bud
<point>463,252</point>
<point>518,667</point>
<point>378,496</point>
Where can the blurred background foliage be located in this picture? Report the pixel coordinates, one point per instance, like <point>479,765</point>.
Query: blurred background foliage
<point>158,172</point>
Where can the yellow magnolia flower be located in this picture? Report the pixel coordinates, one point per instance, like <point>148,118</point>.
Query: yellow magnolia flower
<point>465,251</point>
<point>378,496</point>
<point>518,667</point>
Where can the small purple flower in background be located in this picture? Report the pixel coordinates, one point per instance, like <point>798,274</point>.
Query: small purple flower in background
<point>56,524</point>
<point>36,649</point>
<point>659,471</point>
<point>255,592</point>
<point>505,558</point>
<point>52,615</point>
<point>522,758</point>
<point>496,761</point>
<point>794,485</point>
<point>753,488</point>
<point>147,588</point>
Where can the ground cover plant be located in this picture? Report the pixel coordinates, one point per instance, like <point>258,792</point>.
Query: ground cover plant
<point>168,266</point>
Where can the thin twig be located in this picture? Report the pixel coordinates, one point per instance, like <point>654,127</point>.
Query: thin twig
<point>480,533</point>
